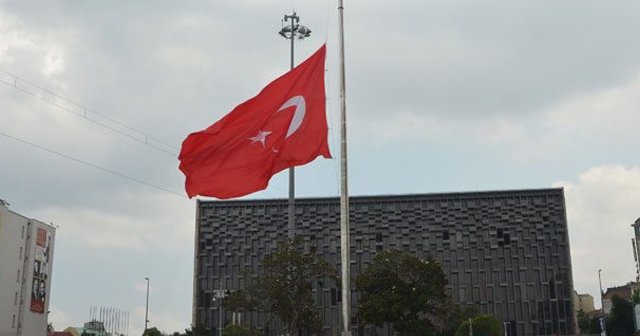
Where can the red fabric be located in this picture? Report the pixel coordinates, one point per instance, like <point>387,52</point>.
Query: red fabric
<point>229,158</point>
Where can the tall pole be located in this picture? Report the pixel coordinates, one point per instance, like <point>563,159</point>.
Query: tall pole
<point>146,310</point>
<point>291,32</point>
<point>344,192</point>
<point>220,294</point>
<point>602,324</point>
<point>292,180</point>
<point>220,318</point>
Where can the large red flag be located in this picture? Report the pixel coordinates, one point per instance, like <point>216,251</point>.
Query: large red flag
<point>283,126</point>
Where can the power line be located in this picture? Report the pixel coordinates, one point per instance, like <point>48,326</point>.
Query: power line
<point>84,112</point>
<point>86,163</point>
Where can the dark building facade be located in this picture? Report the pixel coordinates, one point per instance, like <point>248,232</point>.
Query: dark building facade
<point>504,252</point>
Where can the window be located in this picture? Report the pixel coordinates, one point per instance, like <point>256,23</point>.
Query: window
<point>552,289</point>
<point>379,237</point>
<point>15,298</point>
<point>334,296</point>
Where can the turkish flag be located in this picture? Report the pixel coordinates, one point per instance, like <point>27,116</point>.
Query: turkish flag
<point>283,126</point>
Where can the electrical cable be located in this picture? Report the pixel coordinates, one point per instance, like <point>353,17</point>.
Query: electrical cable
<point>81,111</point>
<point>86,163</point>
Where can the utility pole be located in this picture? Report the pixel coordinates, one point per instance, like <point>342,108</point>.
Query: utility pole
<point>220,294</point>
<point>603,332</point>
<point>293,31</point>
<point>146,311</point>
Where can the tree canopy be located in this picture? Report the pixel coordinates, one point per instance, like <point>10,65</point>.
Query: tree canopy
<point>284,287</point>
<point>483,325</point>
<point>403,290</point>
<point>455,317</point>
<point>197,330</point>
<point>238,330</point>
<point>620,320</point>
<point>152,332</point>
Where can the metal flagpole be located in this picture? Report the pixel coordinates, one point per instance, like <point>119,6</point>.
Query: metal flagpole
<point>344,193</point>
<point>291,32</point>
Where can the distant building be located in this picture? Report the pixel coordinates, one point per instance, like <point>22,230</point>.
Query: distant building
<point>504,252</point>
<point>623,292</point>
<point>635,243</point>
<point>583,302</point>
<point>74,331</point>
<point>116,323</point>
<point>62,333</point>
<point>26,264</point>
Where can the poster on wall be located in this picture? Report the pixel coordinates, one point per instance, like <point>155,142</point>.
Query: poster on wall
<point>40,271</point>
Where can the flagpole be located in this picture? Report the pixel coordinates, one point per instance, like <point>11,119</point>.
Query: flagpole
<point>344,193</point>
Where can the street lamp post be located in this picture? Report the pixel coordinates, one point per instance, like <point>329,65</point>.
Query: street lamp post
<point>220,294</point>
<point>293,31</point>
<point>602,324</point>
<point>146,310</point>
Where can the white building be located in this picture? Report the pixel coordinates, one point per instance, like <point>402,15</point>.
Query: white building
<point>26,264</point>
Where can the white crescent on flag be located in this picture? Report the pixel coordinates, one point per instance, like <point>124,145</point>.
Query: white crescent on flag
<point>298,115</point>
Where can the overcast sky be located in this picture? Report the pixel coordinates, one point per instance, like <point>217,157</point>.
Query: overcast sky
<point>441,96</point>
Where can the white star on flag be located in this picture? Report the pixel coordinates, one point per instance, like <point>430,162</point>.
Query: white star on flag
<point>260,137</point>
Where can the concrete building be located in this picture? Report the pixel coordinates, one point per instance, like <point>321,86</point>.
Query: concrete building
<point>26,264</point>
<point>583,302</point>
<point>635,244</point>
<point>504,252</point>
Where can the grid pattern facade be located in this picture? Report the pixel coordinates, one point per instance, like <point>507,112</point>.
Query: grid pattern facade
<point>504,252</point>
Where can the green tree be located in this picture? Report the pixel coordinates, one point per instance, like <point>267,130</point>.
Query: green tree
<point>635,297</point>
<point>197,330</point>
<point>283,287</point>
<point>594,326</point>
<point>483,325</point>
<point>620,321</point>
<point>583,322</point>
<point>152,332</point>
<point>456,317</point>
<point>588,325</point>
<point>242,300</point>
<point>404,290</point>
<point>238,330</point>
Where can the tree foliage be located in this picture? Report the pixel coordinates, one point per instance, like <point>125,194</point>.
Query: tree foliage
<point>620,321</point>
<point>197,330</point>
<point>238,330</point>
<point>283,287</point>
<point>594,326</point>
<point>583,322</point>
<point>456,317</point>
<point>404,290</point>
<point>635,297</point>
<point>588,325</point>
<point>483,325</point>
<point>152,332</point>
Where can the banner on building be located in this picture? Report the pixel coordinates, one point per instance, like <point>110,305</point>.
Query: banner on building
<point>40,271</point>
